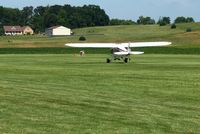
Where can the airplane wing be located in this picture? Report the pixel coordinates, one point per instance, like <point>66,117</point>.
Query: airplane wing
<point>114,45</point>
<point>149,44</point>
<point>93,45</point>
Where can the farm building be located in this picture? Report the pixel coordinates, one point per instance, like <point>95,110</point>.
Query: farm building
<point>58,31</point>
<point>27,30</point>
<point>17,30</point>
<point>12,30</point>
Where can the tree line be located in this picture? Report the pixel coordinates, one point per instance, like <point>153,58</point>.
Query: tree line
<point>164,20</point>
<point>42,17</point>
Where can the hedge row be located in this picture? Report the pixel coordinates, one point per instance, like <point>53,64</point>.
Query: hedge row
<point>155,50</point>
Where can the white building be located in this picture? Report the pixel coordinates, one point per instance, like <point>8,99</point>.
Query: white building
<point>58,31</point>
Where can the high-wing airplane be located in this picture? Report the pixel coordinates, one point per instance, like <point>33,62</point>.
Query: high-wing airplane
<point>120,51</point>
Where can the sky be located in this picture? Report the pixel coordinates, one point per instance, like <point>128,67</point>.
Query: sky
<point>125,9</point>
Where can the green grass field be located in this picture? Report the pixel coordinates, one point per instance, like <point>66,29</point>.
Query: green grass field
<point>47,88</point>
<point>65,93</point>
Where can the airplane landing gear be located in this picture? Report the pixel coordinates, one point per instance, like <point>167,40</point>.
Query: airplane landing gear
<point>126,60</point>
<point>108,60</point>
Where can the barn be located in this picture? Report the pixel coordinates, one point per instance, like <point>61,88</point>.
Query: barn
<point>58,31</point>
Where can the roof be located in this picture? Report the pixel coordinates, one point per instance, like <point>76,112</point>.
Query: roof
<point>54,27</point>
<point>24,27</point>
<point>12,28</point>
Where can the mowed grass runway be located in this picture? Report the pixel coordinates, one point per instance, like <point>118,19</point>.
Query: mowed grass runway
<point>66,93</point>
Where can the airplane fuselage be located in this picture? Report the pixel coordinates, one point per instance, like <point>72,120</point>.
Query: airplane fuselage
<point>120,53</point>
<point>121,50</point>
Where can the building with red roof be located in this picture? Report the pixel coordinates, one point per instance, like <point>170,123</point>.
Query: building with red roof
<point>13,30</point>
<point>17,30</point>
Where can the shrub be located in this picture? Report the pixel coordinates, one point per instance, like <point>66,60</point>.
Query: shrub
<point>163,23</point>
<point>173,26</point>
<point>82,38</point>
<point>188,30</point>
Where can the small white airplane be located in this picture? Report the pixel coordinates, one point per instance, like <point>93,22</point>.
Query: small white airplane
<point>120,51</point>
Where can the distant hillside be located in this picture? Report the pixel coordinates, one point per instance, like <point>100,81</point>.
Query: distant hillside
<point>178,36</point>
<point>131,33</point>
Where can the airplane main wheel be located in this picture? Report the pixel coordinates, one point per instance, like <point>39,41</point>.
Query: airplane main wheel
<point>126,60</point>
<point>108,60</point>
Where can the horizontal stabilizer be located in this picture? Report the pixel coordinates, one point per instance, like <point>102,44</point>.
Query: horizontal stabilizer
<point>121,53</point>
<point>136,53</point>
<point>128,53</point>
